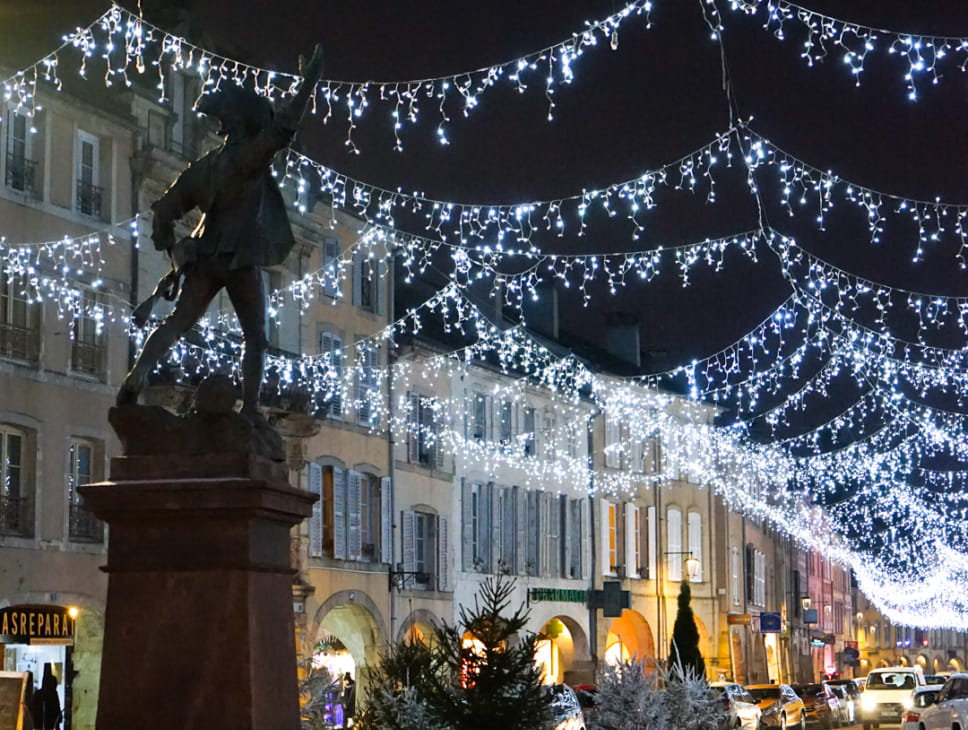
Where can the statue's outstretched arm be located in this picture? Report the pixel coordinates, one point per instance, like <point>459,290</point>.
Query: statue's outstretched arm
<point>289,115</point>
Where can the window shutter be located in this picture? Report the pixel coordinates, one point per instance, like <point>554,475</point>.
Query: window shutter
<point>632,541</point>
<point>386,521</point>
<point>605,535</point>
<point>441,457</point>
<point>443,568</point>
<point>353,499</point>
<point>408,541</point>
<point>653,542</point>
<point>339,513</point>
<point>381,287</point>
<point>486,540</point>
<point>674,543</point>
<point>413,428</point>
<point>508,530</point>
<point>544,510</point>
<point>314,478</point>
<point>521,528</point>
<point>357,279</point>
<point>467,524</point>
<point>561,551</point>
<point>331,272</point>
<point>750,580</point>
<point>533,536</point>
<point>695,541</point>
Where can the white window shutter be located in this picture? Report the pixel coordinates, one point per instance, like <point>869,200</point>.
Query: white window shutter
<point>441,456</point>
<point>605,535</point>
<point>357,279</point>
<point>631,532</point>
<point>354,546</point>
<point>652,541</point>
<point>694,529</point>
<point>521,525</point>
<point>408,541</point>
<point>443,548</point>
<point>314,479</point>
<point>413,428</point>
<point>339,513</point>
<point>467,524</point>
<point>487,526</point>
<point>386,521</point>
<point>674,544</point>
<point>584,528</point>
<point>381,287</point>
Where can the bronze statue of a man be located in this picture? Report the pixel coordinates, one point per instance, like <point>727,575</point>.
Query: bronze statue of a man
<point>243,227</point>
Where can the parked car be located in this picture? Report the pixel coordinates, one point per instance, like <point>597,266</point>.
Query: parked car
<point>924,697</point>
<point>888,694</point>
<point>937,680</point>
<point>845,700</point>
<point>950,709</point>
<point>565,708</point>
<point>781,707</point>
<point>741,708</point>
<point>820,704</point>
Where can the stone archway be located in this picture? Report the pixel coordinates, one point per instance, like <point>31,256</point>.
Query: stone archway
<point>418,626</point>
<point>352,620</point>
<point>956,664</point>
<point>563,651</point>
<point>630,636</point>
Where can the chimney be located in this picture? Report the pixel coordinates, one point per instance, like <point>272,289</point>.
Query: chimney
<point>541,315</point>
<point>622,337</point>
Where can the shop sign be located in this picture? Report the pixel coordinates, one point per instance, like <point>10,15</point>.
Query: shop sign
<point>817,641</point>
<point>743,619</point>
<point>36,625</point>
<point>567,595</point>
<point>770,622</point>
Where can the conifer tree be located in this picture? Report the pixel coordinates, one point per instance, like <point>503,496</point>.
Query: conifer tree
<point>684,650</point>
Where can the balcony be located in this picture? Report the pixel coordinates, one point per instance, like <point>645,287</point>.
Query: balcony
<point>84,526</point>
<point>21,174</point>
<point>19,343</point>
<point>15,518</point>
<point>89,198</point>
<point>88,359</point>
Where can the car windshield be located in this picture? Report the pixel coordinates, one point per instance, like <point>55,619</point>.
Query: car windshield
<point>810,689</point>
<point>765,693</point>
<point>887,680</point>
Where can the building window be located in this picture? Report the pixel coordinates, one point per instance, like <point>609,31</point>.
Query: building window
<point>477,520</point>
<point>755,576</point>
<point>331,348</point>
<point>507,426</point>
<point>479,419</point>
<point>609,538</point>
<point>332,274</point>
<point>19,321</point>
<point>21,169</point>
<point>633,541</point>
<point>734,575</point>
<point>355,515</point>
<point>88,338</point>
<point>674,543</point>
<point>613,443</point>
<point>15,502</point>
<point>424,429</point>
<point>368,385</point>
<point>82,525</point>
<point>89,193</point>
<point>369,285</point>
<point>424,542</point>
<point>530,444</point>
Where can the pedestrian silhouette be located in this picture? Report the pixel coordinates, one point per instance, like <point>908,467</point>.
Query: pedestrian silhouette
<point>46,707</point>
<point>348,700</point>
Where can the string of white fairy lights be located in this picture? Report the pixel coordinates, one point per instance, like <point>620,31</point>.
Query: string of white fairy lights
<point>126,43</point>
<point>811,180</point>
<point>927,56</point>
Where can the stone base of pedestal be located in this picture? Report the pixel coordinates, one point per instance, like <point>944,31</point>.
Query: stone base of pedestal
<point>199,618</point>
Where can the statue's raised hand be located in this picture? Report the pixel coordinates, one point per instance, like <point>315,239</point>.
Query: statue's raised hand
<point>312,69</point>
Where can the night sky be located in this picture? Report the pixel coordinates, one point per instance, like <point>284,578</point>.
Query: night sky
<point>654,99</point>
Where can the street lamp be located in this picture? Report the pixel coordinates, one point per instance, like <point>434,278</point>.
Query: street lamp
<point>805,602</point>
<point>692,563</point>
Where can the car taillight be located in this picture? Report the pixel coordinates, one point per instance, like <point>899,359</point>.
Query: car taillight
<point>912,716</point>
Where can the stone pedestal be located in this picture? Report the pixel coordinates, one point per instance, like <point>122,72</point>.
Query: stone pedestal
<point>199,622</point>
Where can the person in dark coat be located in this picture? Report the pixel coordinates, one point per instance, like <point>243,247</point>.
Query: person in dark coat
<point>348,700</point>
<point>244,226</point>
<point>46,707</point>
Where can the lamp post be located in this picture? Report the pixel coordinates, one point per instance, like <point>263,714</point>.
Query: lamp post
<point>692,563</point>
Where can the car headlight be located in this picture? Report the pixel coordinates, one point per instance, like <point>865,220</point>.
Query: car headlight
<point>868,703</point>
